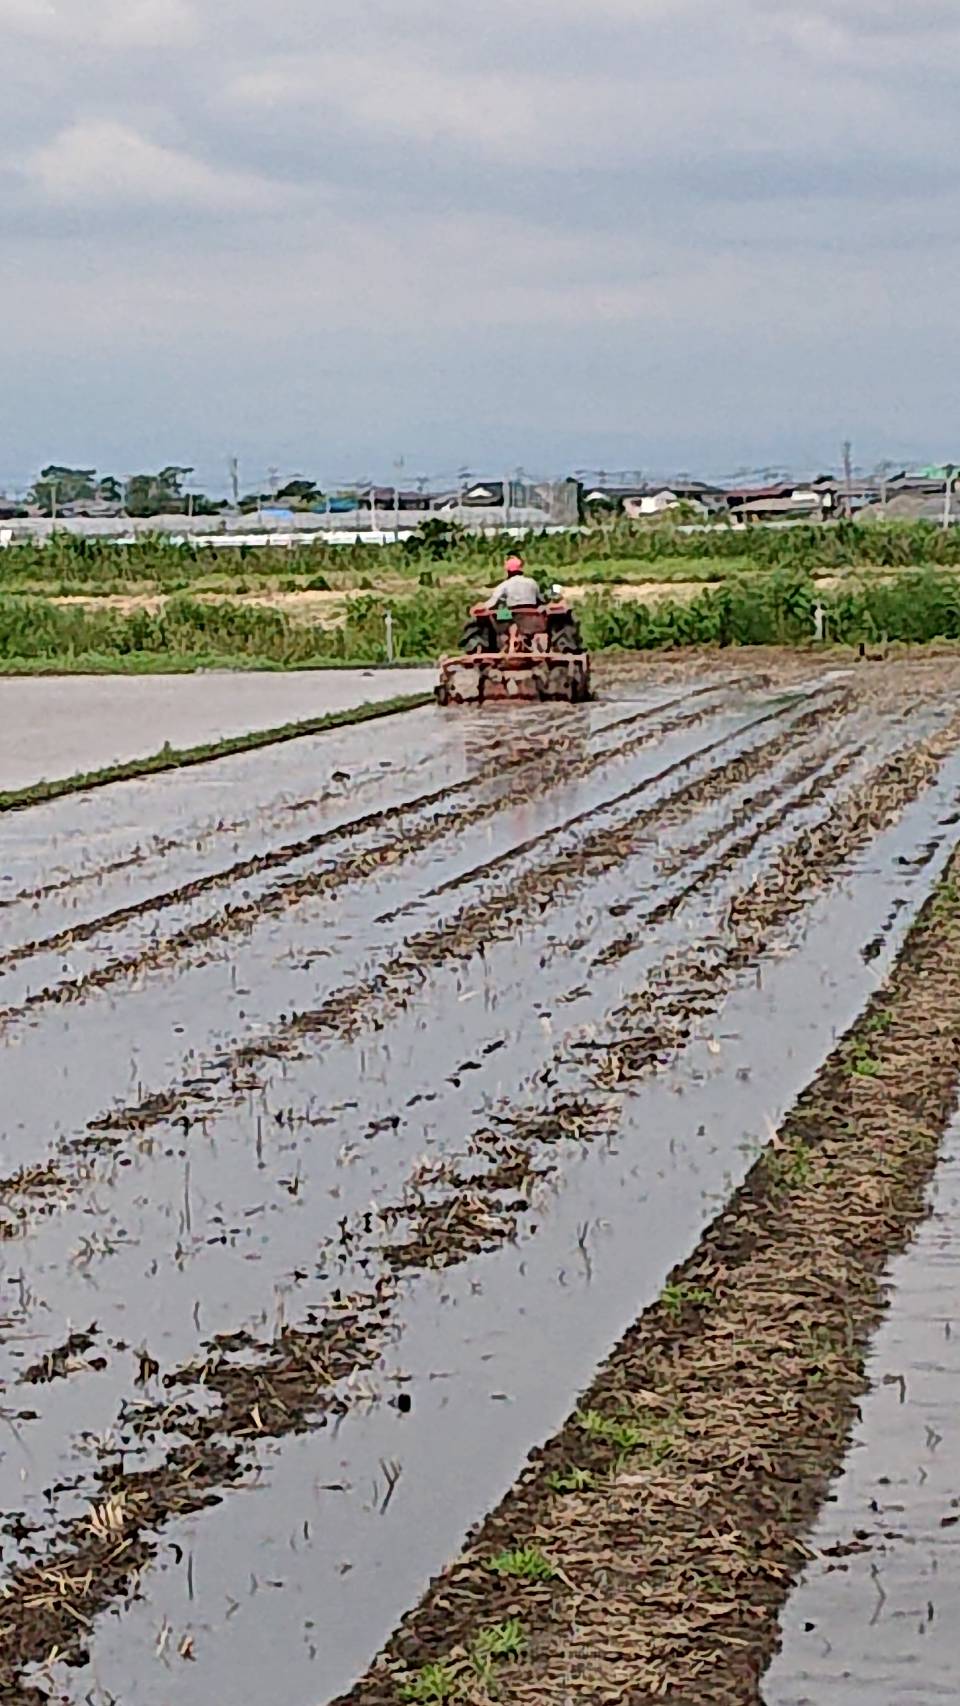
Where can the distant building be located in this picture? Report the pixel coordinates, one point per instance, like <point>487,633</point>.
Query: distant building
<point>650,499</point>
<point>97,509</point>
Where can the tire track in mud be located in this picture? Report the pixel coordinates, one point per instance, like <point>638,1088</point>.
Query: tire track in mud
<point>471,930</point>
<point>698,790</point>
<point>345,1011</point>
<point>344,871</point>
<point>454,1208</point>
<point>503,761</point>
<point>671,1509</point>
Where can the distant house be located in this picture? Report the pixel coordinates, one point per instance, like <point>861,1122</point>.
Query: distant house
<point>99,509</point>
<point>484,494</point>
<point>784,501</point>
<point>650,503</point>
<point>911,506</point>
<point>389,498</point>
<point>644,501</point>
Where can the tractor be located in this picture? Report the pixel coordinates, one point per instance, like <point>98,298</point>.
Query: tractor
<point>527,653</point>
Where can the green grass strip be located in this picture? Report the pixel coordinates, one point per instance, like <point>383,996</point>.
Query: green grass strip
<point>181,758</point>
<point>194,663</point>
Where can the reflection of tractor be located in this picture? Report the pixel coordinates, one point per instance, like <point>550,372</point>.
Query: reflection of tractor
<point>528,653</point>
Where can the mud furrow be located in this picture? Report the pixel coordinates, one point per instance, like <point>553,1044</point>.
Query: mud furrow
<point>349,869</point>
<point>503,763</point>
<point>688,986</point>
<point>471,930</point>
<point>453,1210</point>
<point>670,1511</point>
<point>817,772</point>
<point>698,792</point>
<point>243,869</point>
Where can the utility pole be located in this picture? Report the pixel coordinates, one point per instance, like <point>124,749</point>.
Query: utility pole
<point>948,496</point>
<point>397,474</point>
<point>848,478</point>
<point>463,478</point>
<point>883,470</point>
<point>53,500</point>
<point>233,466</point>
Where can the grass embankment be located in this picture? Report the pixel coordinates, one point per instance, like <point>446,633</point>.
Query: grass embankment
<point>69,565</point>
<point>646,1552</point>
<point>182,758</point>
<point>775,608</point>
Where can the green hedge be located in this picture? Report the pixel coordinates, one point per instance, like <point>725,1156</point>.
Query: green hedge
<point>757,609</point>
<point>71,562</point>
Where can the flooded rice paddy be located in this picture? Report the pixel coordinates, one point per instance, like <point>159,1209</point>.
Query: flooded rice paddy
<point>358,1094</point>
<point>54,726</point>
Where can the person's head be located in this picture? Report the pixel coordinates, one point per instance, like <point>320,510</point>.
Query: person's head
<point>514,565</point>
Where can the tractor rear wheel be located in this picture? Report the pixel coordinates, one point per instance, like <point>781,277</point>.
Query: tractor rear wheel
<point>567,639</point>
<point>473,639</point>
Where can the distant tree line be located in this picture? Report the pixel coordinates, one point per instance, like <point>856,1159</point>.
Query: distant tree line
<point>60,489</point>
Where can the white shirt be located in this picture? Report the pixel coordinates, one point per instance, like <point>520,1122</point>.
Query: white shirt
<point>515,591</point>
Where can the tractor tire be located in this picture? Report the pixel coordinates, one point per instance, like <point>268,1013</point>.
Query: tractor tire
<point>473,639</point>
<point>567,639</point>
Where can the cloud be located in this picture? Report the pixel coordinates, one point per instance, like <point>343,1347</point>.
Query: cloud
<point>104,164</point>
<point>506,116</point>
<point>114,26</point>
<point>438,220</point>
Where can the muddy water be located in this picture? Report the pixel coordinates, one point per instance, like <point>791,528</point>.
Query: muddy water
<point>491,1355</point>
<point>54,726</point>
<point>875,1616</point>
<point>293,959</point>
<point>82,859</point>
<point>236,1214</point>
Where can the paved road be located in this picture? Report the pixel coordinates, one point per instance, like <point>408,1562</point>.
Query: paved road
<point>53,726</point>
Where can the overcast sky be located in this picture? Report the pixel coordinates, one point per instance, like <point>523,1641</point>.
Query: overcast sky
<point>624,233</point>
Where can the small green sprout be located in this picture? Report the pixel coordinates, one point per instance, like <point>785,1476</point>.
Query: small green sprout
<point>572,1480</point>
<point>528,1563</point>
<point>676,1297</point>
<point>431,1684</point>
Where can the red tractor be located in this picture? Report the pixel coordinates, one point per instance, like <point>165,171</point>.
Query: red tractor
<point>528,653</point>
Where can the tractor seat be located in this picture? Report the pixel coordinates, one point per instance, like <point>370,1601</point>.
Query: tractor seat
<point>528,618</point>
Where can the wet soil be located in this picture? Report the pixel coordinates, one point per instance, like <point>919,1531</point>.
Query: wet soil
<point>369,1062</point>
<point>873,1617</point>
<point>666,1520</point>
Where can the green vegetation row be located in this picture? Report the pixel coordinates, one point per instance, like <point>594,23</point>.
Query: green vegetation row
<point>70,563</point>
<point>777,608</point>
<point>182,758</point>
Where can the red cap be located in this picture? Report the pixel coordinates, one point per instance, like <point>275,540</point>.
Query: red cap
<point>514,565</point>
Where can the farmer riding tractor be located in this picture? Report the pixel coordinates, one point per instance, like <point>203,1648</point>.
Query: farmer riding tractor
<point>517,648</point>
